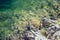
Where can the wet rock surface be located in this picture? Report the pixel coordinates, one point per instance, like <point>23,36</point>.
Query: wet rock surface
<point>52,32</point>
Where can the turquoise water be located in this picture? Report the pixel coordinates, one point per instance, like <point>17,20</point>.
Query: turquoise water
<point>5,4</point>
<point>21,4</point>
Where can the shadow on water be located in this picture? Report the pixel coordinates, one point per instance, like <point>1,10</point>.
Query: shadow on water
<point>5,4</point>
